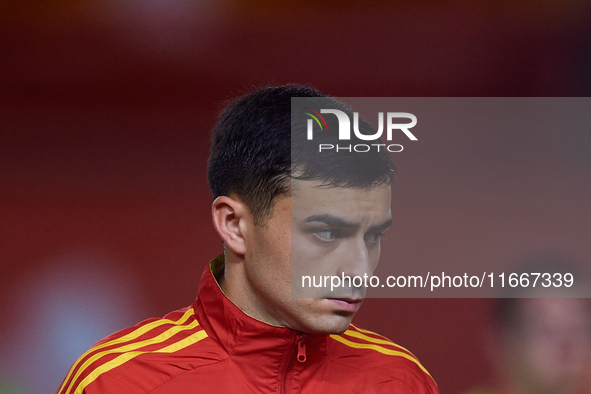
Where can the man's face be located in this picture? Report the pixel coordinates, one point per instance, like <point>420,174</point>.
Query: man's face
<point>549,347</point>
<point>332,230</point>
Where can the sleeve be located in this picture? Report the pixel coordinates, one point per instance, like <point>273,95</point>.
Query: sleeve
<point>396,386</point>
<point>103,384</point>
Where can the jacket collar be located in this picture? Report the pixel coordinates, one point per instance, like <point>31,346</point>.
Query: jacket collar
<point>234,330</point>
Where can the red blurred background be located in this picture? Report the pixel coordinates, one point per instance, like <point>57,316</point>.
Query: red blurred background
<point>106,110</point>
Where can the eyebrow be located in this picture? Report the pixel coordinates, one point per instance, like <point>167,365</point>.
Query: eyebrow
<point>340,222</point>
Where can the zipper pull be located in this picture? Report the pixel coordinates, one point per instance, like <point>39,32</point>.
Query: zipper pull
<point>301,350</point>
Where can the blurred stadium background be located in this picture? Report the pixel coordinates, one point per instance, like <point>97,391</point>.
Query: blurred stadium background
<point>105,114</point>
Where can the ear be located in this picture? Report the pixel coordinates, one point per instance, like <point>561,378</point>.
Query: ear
<point>231,219</point>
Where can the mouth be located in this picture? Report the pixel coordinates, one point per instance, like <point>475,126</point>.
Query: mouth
<point>350,305</point>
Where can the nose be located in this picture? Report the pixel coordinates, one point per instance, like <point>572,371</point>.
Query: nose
<point>358,259</point>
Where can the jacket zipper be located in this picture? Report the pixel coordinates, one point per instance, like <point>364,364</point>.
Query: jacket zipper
<point>297,341</point>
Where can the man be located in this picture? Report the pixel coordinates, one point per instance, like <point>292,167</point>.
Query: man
<point>539,344</point>
<point>277,204</point>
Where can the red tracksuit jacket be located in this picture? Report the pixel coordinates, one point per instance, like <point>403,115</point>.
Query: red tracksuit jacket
<point>213,347</point>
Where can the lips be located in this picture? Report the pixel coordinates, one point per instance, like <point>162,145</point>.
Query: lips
<point>350,305</point>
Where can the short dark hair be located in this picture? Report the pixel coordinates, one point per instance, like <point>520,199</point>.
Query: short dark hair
<point>253,152</point>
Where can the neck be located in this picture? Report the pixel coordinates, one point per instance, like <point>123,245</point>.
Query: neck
<point>232,281</point>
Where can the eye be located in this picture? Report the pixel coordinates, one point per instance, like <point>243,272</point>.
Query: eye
<point>326,235</point>
<point>373,238</point>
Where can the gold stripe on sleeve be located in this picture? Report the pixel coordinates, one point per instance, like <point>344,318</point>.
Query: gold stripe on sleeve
<point>194,338</point>
<point>380,349</point>
<point>367,331</point>
<point>359,335</point>
<point>130,336</point>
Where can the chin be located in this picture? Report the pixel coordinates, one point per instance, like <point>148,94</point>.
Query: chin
<point>332,325</point>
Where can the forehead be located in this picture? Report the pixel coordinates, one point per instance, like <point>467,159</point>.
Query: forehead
<point>355,204</point>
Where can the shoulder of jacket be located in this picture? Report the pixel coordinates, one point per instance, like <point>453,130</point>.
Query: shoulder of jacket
<point>378,355</point>
<point>141,356</point>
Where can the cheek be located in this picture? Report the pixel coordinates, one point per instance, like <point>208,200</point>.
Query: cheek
<point>374,255</point>
<point>272,268</point>
<point>301,250</point>
<point>279,246</point>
